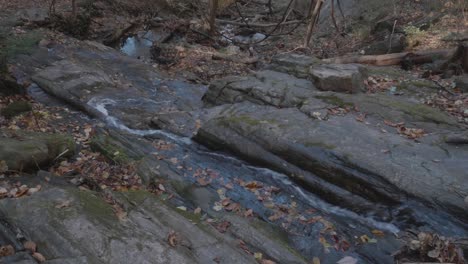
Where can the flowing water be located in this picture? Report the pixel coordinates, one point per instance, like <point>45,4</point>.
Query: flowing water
<point>412,214</point>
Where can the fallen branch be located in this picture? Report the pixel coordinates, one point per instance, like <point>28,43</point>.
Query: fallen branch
<point>222,21</point>
<point>417,57</point>
<point>234,58</point>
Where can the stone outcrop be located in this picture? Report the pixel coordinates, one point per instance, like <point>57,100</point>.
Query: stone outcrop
<point>26,151</point>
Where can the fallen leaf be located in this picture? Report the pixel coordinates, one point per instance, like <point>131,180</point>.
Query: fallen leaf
<point>248,213</point>
<point>30,246</point>
<point>182,208</point>
<point>3,166</point>
<point>258,255</point>
<point>223,226</point>
<point>63,204</point>
<point>34,190</point>
<point>39,257</point>
<point>3,192</point>
<point>267,261</point>
<point>197,210</point>
<point>316,260</point>
<point>347,260</point>
<point>378,233</point>
<point>7,250</point>
<point>172,239</point>
<point>203,181</point>
<point>253,185</point>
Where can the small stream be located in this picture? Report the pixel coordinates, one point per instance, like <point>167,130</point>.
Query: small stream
<point>410,215</point>
<point>192,156</point>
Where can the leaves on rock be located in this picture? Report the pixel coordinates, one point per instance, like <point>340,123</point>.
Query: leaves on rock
<point>172,239</point>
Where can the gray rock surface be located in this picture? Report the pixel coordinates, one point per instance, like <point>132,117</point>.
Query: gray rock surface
<point>341,151</point>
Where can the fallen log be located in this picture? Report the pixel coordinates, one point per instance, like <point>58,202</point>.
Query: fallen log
<point>235,58</point>
<point>236,23</point>
<point>417,57</point>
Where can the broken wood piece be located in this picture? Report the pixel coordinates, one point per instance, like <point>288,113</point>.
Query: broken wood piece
<point>236,23</point>
<point>417,57</point>
<point>234,58</point>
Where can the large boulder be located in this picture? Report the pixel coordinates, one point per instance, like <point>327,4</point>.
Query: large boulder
<point>24,151</point>
<point>361,160</point>
<point>294,64</point>
<point>344,78</point>
<point>264,87</point>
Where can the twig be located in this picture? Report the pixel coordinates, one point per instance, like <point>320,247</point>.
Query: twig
<point>391,37</point>
<point>61,154</point>
<point>222,21</point>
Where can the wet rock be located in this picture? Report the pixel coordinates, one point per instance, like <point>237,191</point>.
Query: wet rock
<point>88,230</point>
<point>15,109</point>
<point>341,152</point>
<point>24,151</point>
<point>343,78</point>
<point>466,201</point>
<point>114,85</point>
<point>462,83</point>
<point>180,123</point>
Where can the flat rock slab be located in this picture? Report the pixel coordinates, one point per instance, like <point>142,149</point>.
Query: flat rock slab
<point>102,82</point>
<point>88,231</point>
<point>343,78</point>
<point>27,150</point>
<point>265,87</point>
<point>357,157</point>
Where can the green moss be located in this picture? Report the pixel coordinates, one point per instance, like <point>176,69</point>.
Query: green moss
<point>107,147</point>
<point>16,108</point>
<point>21,44</point>
<point>95,207</point>
<point>58,144</point>
<point>334,100</point>
<point>319,145</point>
<point>192,217</point>
<point>416,83</point>
<point>384,71</point>
<point>184,189</point>
<point>245,119</point>
<point>137,196</point>
<point>424,112</point>
<point>275,234</point>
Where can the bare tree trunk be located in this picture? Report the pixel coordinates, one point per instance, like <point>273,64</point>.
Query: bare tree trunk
<point>73,9</point>
<point>313,21</point>
<point>213,9</point>
<point>52,7</point>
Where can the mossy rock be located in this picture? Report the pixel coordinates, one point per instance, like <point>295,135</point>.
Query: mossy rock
<point>110,148</point>
<point>16,108</point>
<point>30,151</point>
<point>9,87</point>
<point>334,100</point>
